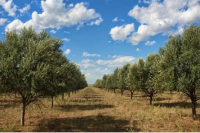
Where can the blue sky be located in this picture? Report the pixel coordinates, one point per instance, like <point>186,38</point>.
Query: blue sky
<point>100,35</point>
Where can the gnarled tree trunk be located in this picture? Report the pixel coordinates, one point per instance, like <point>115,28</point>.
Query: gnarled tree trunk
<point>63,96</point>
<point>193,100</point>
<point>131,94</point>
<point>23,112</point>
<point>52,101</point>
<point>122,91</point>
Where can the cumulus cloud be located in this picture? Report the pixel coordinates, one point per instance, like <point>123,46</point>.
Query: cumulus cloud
<point>116,19</point>
<point>9,7</point>
<point>147,1</point>
<point>68,51</point>
<point>86,63</point>
<point>121,32</point>
<point>116,56</point>
<point>96,22</point>
<point>2,21</point>
<point>117,62</point>
<point>25,9</point>
<point>53,31</point>
<point>92,55</point>
<point>160,17</point>
<point>150,43</point>
<point>138,50</point>
<point>95,69</point>
<point>66,32</point>
<point>92,74</point>
<point>66,39</point>
<point>109,41</point>
<point>168,16</point>
<point>56,15</point>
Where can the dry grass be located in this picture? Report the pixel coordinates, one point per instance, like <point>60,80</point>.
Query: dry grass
<point>94,109</point>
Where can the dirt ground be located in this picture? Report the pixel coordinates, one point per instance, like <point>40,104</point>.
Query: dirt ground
<point>97,110</point>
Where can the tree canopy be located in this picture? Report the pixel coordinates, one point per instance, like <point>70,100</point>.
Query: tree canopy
<point>32,65</point>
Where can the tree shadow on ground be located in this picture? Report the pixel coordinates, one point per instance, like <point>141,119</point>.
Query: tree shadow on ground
<point>160,99</point>
<point>86,97</point>
<point>69,108</point>
<point>82,101</point>
<point>176,104</point>
<point>98,123</point>
<point>9,103</point>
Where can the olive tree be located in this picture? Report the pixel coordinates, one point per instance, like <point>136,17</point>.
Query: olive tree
<point>25,64</point>
<point>151,71</point>
<point>132,78</point>
<point>181,64</point>
<point>123,73</point>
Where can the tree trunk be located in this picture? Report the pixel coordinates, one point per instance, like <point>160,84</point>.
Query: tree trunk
<point>23,113</point>
<point>15,94</point>
<point>151,98</point>
<point>108,89</point>
<point>122,92</point>
<point>52,101</point>
<point>194,115</point>
<point>114,91</point>
<point>68,94</point>
<point>75,91</point>
<point>63,95</point>
<point>132,94</point>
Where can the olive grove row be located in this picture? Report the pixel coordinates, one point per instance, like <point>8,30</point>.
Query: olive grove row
<point>33,66</point>
<point>175,68</point>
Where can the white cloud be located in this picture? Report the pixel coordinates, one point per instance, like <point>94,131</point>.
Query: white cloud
<point>109,41</point>
<point>117,62</point>
<point>147,1</point>
<point>92,74</point>
<point>96,22</point>
<point>66,32</point>
<point>2,21</point>
<point>150,43</point>
<point>68,51</point>
<point>66,39</point>
<point>55,15</point>
<point>25,9</point>
<point>9,7</point>
<point>162,17</point>
<point>53,31</point>
<point>96,69</point>
<point>116,56</point>
<point>81,24</point>
<point>121,32</point>
<point>180,30</point>
<point>137,49</point>
<point>115,19</point>
<point>92,55</point>
<point>86,63</point>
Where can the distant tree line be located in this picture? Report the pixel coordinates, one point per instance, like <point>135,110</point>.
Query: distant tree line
<point>176,67</point>
<point>33,66</point>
